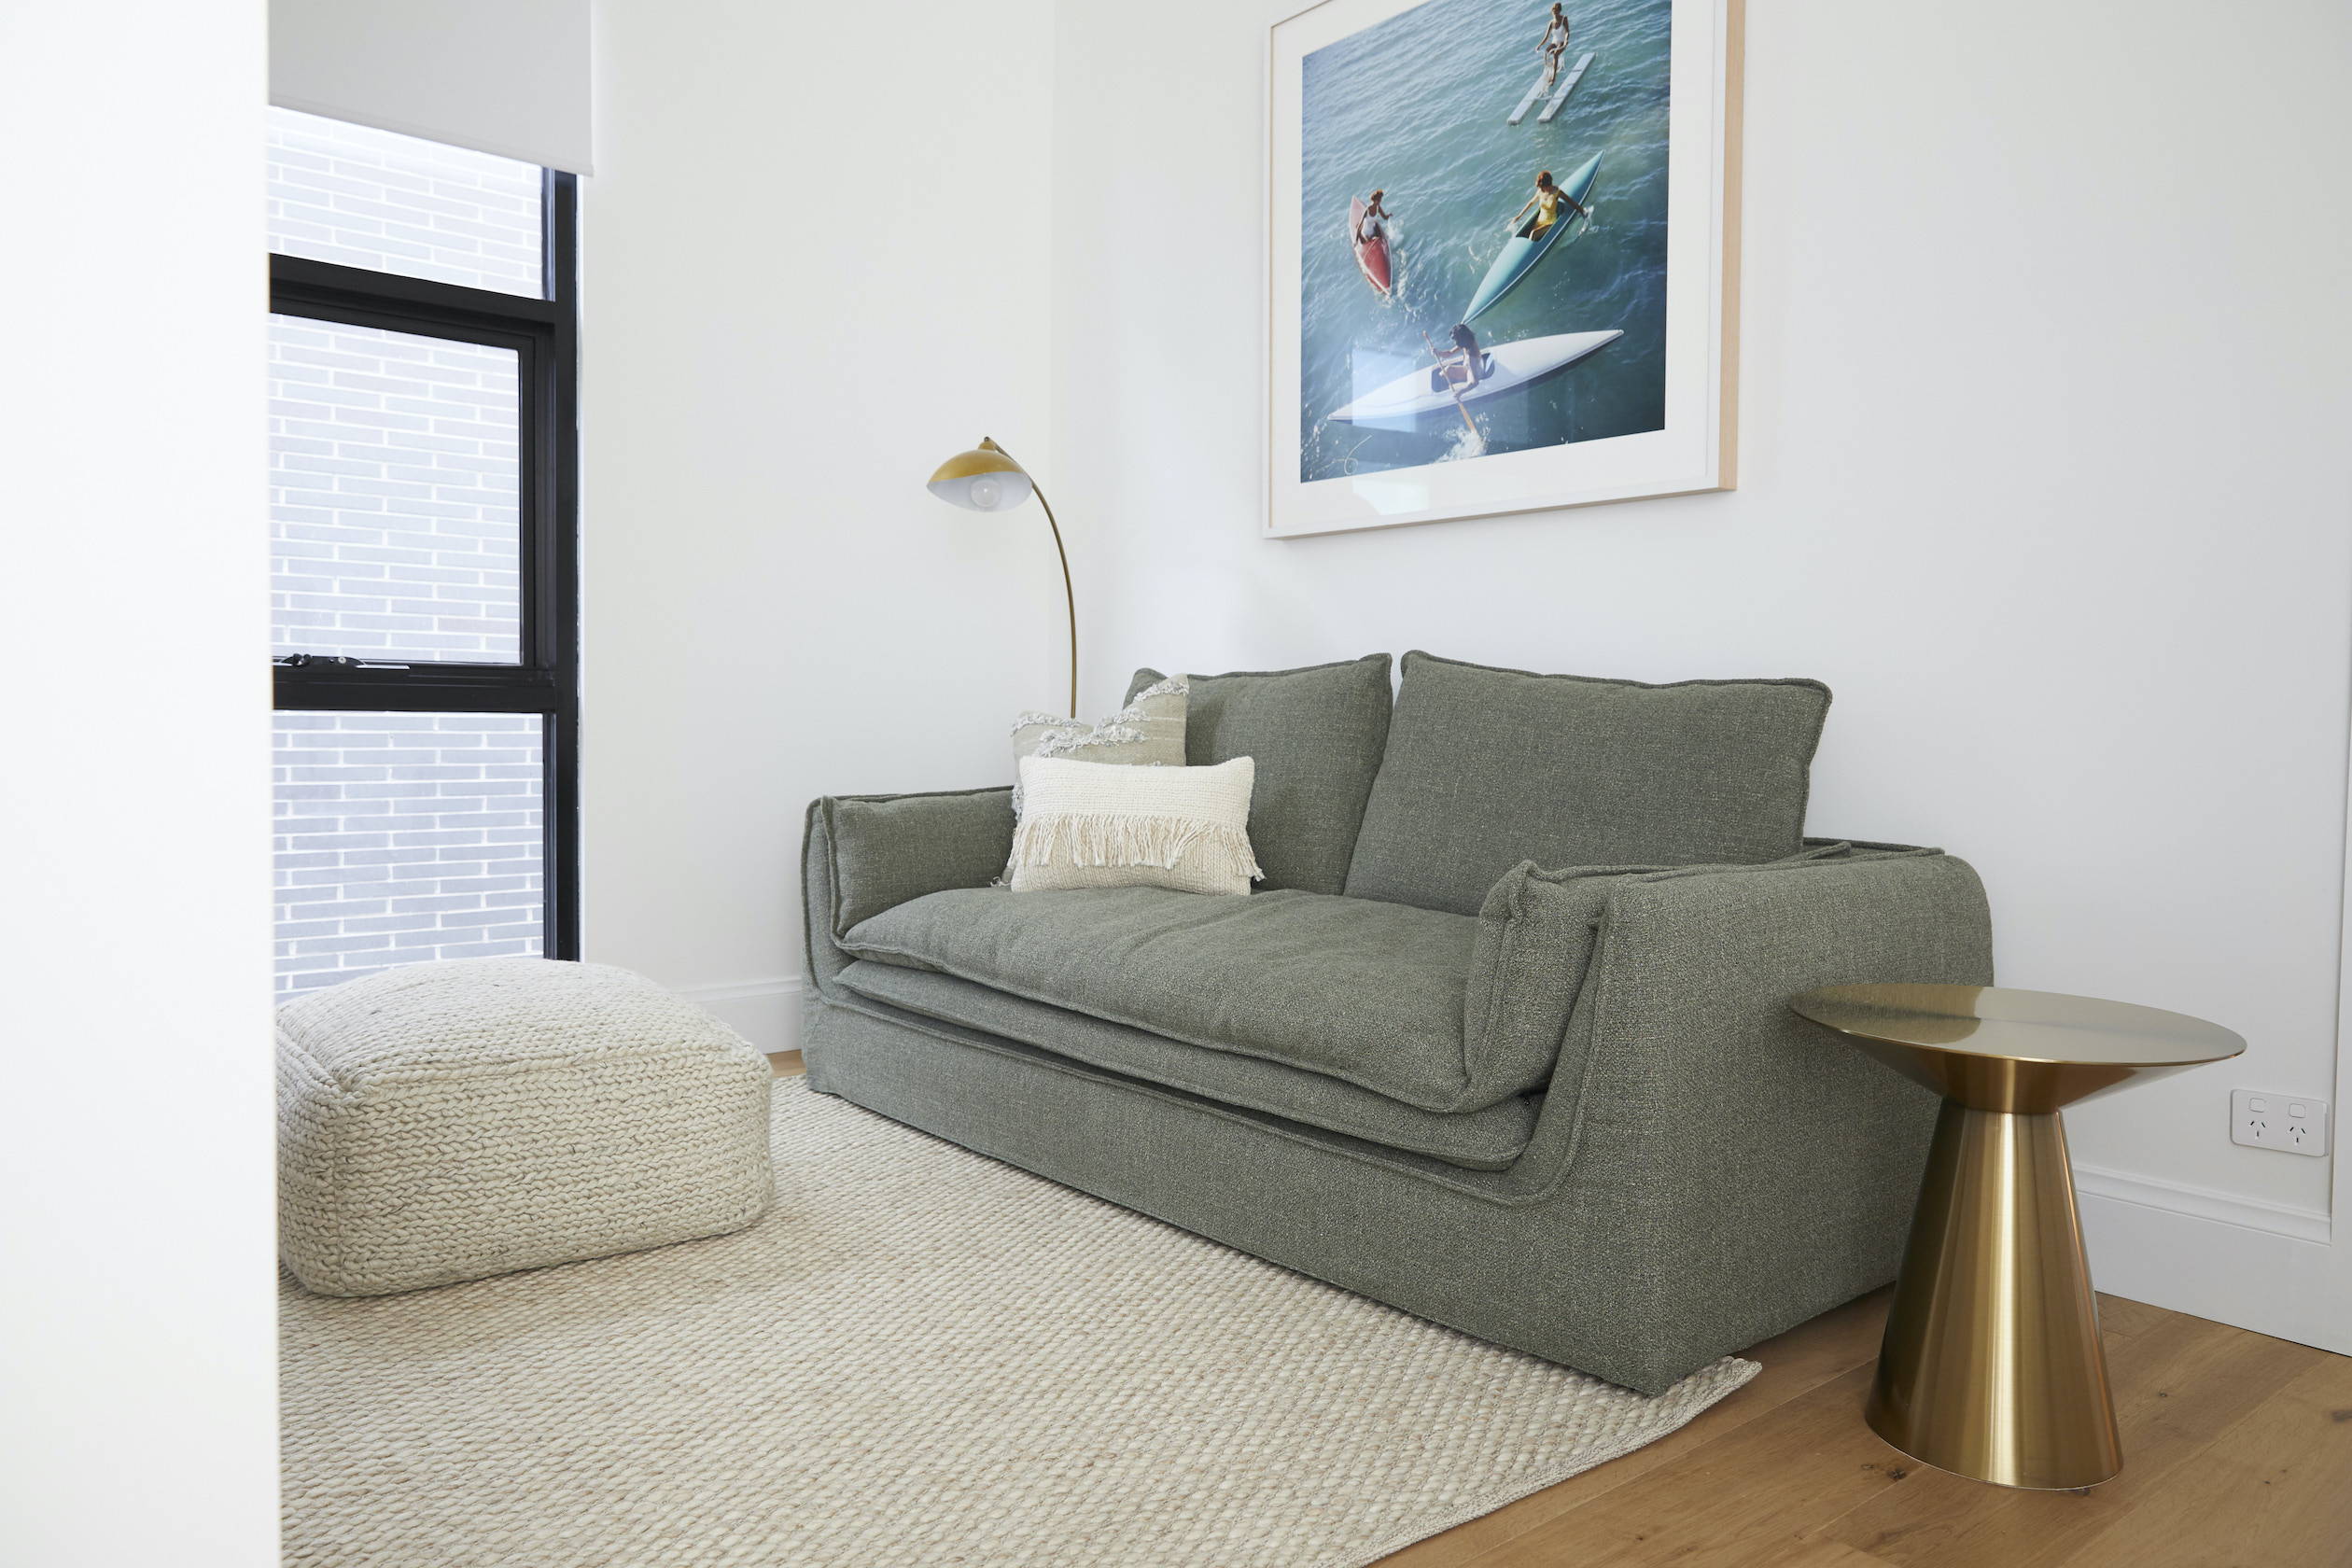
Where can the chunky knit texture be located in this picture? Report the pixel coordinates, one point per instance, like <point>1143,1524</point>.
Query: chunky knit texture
<point>447,1121</point>
<point>922,1359</point>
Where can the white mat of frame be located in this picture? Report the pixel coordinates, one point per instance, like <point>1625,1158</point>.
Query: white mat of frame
<point>921,1356</point>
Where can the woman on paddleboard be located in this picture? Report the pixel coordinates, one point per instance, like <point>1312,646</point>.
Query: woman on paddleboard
<point>1374,219</point>
<point>1555,42</point>
<point>1548,198</point>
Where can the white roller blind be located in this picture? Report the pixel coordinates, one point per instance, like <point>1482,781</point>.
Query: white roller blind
<point>509,76</point>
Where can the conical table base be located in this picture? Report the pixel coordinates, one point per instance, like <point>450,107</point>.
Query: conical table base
<point>1991,1366</point>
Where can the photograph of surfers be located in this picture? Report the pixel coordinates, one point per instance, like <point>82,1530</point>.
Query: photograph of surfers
<point>1483,235</point>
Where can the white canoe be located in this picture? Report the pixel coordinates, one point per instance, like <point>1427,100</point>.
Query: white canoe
<point>1509,367</point>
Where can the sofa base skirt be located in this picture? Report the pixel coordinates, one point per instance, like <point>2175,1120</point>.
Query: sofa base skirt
<point>1539,1273</point>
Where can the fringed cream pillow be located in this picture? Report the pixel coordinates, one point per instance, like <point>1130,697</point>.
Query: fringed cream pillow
<point>1089,826</point>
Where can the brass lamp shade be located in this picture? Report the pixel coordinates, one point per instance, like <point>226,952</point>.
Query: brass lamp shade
<point>987,479</point>
<point>983,478</point>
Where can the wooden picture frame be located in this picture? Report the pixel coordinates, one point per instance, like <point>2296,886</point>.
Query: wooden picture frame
<point>1607,368</point>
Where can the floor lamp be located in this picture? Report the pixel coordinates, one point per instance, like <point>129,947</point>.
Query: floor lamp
<point>987,479</point>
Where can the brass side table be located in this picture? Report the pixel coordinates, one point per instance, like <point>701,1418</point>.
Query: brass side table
<point>1991,1367</point>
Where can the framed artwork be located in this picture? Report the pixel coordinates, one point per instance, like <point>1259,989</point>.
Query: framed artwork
<point>1502,270</point>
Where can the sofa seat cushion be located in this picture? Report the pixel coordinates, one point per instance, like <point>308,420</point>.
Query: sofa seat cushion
<point>1449,1013</point>
<point>1487,1140</point>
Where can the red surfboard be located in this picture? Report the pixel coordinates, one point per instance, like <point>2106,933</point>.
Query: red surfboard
<point>1372,255</point>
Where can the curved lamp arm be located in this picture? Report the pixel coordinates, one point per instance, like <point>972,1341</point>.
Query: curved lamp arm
<point>1070,594</point>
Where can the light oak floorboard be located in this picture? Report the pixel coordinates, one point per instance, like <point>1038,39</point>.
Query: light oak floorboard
<point>2237,1454</point>
<point>2276,1486</point>
<point>2119,1316</point>
<point>785,1064</point>
<point>2178,1385</point>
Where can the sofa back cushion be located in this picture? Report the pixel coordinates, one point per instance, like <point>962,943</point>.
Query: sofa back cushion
<point>1317,734</point>
<point>1487,767</point>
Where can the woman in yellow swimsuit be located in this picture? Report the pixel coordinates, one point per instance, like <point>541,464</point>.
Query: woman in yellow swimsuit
<point>1547,199</point>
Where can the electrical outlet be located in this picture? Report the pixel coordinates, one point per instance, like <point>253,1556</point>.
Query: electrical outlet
<point>2296,1124</point>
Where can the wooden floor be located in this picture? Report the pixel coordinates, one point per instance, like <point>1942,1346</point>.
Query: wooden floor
<point>2237,1454</point>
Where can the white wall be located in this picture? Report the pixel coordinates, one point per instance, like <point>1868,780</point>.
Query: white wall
<point>137,1279</point>
<point>2044,471</point>
<point>814,253</point>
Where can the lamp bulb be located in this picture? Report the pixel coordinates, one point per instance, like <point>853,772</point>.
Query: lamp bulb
<point>986,493</point>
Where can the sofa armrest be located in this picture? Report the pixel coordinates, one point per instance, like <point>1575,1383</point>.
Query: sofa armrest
<point>863,854</point>
<point>1747,1154</point>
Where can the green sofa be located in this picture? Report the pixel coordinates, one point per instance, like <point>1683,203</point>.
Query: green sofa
<point>1501,1040</point>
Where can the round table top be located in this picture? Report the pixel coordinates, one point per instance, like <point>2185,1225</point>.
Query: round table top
<point>2000,1023</point>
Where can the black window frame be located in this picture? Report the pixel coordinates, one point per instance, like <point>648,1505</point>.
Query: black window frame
<point>544,334</point>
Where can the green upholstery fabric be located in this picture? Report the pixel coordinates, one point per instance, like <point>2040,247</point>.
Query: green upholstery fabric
<point>904,845</point>
<point>1536,932</point>
<point>823,959</point>
<point>1487,767</point>
<point>888,848</point>
<point>1317,735</point>
<point>1708,1170</point>
<point>1487,1139</point>
<point>1434,1010</point>
<point>1367,993</point>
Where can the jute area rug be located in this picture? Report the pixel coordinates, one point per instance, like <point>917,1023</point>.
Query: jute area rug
<point>922,1356</point>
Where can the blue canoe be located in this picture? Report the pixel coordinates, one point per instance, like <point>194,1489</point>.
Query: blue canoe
<point>1520,253</point>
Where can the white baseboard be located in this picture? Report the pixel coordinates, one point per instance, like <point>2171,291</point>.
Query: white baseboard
<point>2204,1203</point>
<point>766,1013</point>
<point>2261,1265</point>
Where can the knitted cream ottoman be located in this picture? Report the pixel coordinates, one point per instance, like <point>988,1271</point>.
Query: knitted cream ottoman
<point>444,1121</point>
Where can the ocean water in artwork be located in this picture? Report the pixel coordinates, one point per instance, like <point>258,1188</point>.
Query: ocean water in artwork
<point>1419,106</point>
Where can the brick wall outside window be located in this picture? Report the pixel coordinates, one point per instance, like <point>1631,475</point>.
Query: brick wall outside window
<point>393,494</point>
<point>403,837</point>
<point>393,203</point>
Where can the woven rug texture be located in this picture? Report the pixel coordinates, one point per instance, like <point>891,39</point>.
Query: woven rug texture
<point>922,1356</point>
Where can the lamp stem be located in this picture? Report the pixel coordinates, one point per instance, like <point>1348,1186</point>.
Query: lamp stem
<point>1070,594</point>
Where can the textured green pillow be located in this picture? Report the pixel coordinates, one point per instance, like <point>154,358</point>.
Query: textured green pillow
<point>1148,731</point>
<point>1487,767</point>
<point>1317,735</point>
<point>885,849</point>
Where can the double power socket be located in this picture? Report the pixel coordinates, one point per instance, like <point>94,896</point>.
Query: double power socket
<point>2296,1124</point>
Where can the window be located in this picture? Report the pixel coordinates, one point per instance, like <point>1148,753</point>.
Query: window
<point>404,836</point>
<point>396,495</point>
<point>422,527</point>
